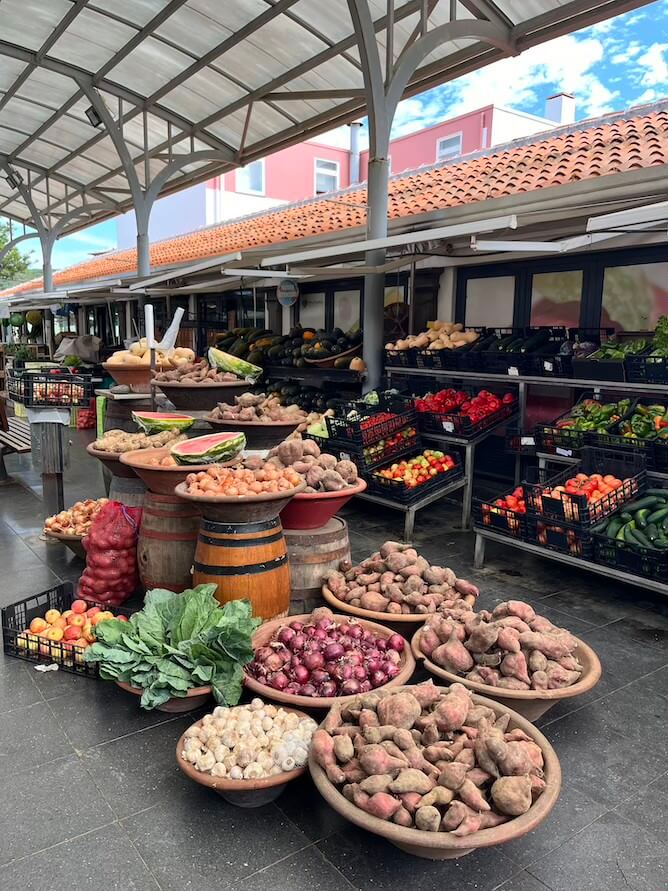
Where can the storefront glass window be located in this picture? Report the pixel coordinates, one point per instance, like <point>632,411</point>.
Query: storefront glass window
<point>346,309</point>
<point>312,310</point>
<point>634,296</point>
<point>490,301</point>
<point>555,298</point>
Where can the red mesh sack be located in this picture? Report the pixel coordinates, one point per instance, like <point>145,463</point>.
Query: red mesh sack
<point>111,576</point>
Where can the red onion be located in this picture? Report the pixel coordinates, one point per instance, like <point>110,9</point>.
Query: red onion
<point>373,665</point>
<point>297,626</point>
<point>318,676</point>
<point>333,651</point>
<point>325,624</point>
<point>392,670</point>
<point>319,634</point>
<point>301,674</point>
<point>353,657</point>
<point>377,678</point>
<point>273,662</point>
<point>355,631</point>
<point>344,628</point>
<point>328,688</point>
<point>297,642</point>
<point>392,656</point>
<point>293,688</point>
<point>396,642</point>
<point>308,690</point>
<point>350,687</point>
<point>346,641</point>
<point>360,673</point>
<point>365,686</point>
<point>314,660</point>
<point>346,672</point>
<point>263,654</point>
<point>278,681</point>
<point>285,635</point>
<point>381,645</point>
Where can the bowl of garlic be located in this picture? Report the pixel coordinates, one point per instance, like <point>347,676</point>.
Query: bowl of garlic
<point>247,753</point>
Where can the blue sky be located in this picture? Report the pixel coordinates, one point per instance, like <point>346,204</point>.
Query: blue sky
<point>609,67</point>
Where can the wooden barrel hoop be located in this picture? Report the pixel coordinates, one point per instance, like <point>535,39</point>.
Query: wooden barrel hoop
<point>312,555</point>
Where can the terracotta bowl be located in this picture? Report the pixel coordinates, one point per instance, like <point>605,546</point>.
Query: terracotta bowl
<point>200,397</point>
<point>258,435</point>
<point>266,631</point>
<point>73,542</point>
<point>137,377</point>
<point>240,508</point>
<point>406,621</point>
<point>194,698</point>
<point>242,793</point>
<point>160,480</point>
<point>531,704</point>
<point>329,362</point>
<point>445,845</point>
<point>310,510</point>
<point>111,460</point>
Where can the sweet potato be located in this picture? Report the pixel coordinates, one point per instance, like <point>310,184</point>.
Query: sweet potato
<point>368,718</point>
<point>438,752</point>
<point>468,826</point>
<point>393,609</point>
<point>434,575</point>
<point>451,712</point>
<point>482,637</point>
<point>411,801</point>
<point>538,786</point>
<point>508,639</point>
<point>400,710</point>
<point>396,561</point>
<point>376,783</point>
<point>322,746</point>
<point>391,547</point>
<point>516,760</point>
<point>394,751</point>
<point>516,735</point>
<point>490,819</point>
<point>512,795</point>
<point>517,608</point>
<point>539,680</point>
<point>402,817</point>
<point>552,646</point>
<point>428,819</point>
<point>343,748</point>
<point>368,578</point>
<point>382,805</point>
<point>465,588</point>
<point>558,677</point>
<point>469,793</point>
<point>514,665</point>
<point>512,684</point>
<point>411,572</point>
<point>426,693</point>
<point>455,815</point>
<point>438,797</point>
<point>332,721</point>
<point>540,623</point>
<point>452,776</point>
<point>453,656</point>
<point>490,676</point>
<point>374,759</point>
<point>466,756</point>
<point>412,780</point>
<point>374,601</point>
<point>488,660</point>
<point>570,663</point>
<point>537,661</point>
<point>478,776</point>
<point>513,622</point>
<point>353,772</point>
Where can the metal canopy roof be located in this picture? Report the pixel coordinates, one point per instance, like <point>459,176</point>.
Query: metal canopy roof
<point>203,86</point>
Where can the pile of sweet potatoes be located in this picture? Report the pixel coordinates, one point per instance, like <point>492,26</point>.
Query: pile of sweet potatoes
<point>511,648</point>
<point>396,579</point>
<point>429,758</point>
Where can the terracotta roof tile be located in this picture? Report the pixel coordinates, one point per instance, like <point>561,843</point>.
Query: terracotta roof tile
<point>614,145</point>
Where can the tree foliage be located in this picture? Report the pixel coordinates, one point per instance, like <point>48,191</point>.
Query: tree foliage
<point>15,265</point>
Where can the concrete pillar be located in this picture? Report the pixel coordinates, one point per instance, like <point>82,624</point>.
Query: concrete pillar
<point>374,285</point>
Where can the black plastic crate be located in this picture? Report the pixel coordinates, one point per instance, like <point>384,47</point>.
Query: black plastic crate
<point>446,423</point>
<point>18,616</point>
<point>520,443</point>
<point>447,360</point>
<point>615,439</point>
<point>372,422</point>
<point>561,365</point>
<point>401,358</point>
<point>517,362</point>
<point>396,490</point>
<point>629,467</point>
<point>564,440</point>
<point>647,369</point>
<point>661,455</point>
<point>488,515</point>
<point>565,538</point>
<point>370,457</point>
<point>632,558</point>
<point>59,388</point>
<point>607,369</point>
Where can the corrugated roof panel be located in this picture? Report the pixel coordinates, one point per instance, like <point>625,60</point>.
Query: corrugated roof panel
<point>91,40</point>
<point>30,22</point>
<point>152,63</point>
<point>203,94</point>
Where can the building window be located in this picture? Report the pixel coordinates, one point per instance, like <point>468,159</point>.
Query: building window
<point>490,301</point>
<point>634,297</point>
<point>449,147</point>
<point>556,298</point>
<point>326,176</point>
<point>251,178</point>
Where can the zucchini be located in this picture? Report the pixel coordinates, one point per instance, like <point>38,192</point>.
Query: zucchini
<point>652,531</point>
<point>534,341</point>
<point>641,517</point>
<point>614,526</point>
<point>658,515</point>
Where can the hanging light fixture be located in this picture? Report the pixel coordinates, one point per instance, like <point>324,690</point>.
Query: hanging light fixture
<point>13,178</point>
<point>93,117</point>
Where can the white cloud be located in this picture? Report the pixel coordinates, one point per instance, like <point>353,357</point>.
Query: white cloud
<point>90,240</point>
<point>649,95</point>
<point>627,54</point>
<point>655,65</point>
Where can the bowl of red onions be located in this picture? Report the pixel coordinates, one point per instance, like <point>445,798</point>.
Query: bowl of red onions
<point>307,661</point>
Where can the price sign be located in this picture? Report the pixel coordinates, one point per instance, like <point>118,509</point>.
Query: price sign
<point>344,456</point>
<point>513,372</point>
<point>448,426</point>
<point>548,366</point>
<point>565,453</point>
<point>527,441</point>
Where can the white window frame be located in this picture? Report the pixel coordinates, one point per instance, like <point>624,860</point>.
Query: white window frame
<point>261,191</point>
<point>326,172</point>
<point>443,139</point>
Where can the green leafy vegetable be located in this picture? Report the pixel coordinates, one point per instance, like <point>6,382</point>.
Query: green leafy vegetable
<point>178,641</point>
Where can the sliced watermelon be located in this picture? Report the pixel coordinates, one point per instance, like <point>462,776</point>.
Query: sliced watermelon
<point>156,421</point>
<point>211,449</point>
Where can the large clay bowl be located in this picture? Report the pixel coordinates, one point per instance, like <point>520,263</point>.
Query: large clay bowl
<point>311,510</point>
<point>242,793</point>
<point>531,704</point>
<point>266,631</point>
<point>445,845</point>
<point>73,542</point>
<point>398,619</point>
<point>194,698</point>
<point>259,435</point>
<point>200,397</point>
<point>160,480</point>
<point>112,462</point>
<point>239,508</point>
<point>137,377</point>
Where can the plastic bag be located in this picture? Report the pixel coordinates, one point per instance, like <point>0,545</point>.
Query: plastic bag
<point>111,576</point>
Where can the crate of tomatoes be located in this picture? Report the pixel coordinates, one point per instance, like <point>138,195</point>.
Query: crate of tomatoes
<point>363,424</point>
<point>599,484</point>
<point>368,457</point>
<point>463,413</point>
<point>506,514</point>
<point>412,478</point>
<point>562,537</point>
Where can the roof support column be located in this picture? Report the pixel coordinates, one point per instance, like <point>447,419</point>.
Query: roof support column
<point>383,91</point>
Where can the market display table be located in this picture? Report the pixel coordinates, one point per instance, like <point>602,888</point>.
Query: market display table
<point>484,535</point>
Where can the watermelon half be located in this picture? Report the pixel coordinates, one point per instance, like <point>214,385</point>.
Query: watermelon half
<point>214,448</point>
<point>157,421</point>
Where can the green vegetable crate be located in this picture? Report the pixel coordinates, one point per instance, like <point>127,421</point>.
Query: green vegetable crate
<point>608,363</point>
<point>570,432</point>
<point>651,366</point>
<point>642,430</point>
<point>635,539</point>
<point>18,616</point>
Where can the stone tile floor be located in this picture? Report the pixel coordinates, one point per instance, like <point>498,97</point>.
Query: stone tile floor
<point>92,798</point>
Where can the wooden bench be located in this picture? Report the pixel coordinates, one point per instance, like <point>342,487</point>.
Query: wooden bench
<point>14,438</point>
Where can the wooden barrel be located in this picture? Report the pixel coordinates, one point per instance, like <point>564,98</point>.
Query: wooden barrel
<point>313,554</point>
<point>166,545</point>
<point>245,560</point>
<point>118,413</point>
<point>130,492</point>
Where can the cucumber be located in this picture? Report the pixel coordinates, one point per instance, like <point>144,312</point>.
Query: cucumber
<point>614,526</point>
<point>652,531</point>
<point>646,501</point>
<point>661,544</point>
<point>641,517</point>
<point>658,515</point>
<point>658,493</point>
<point>641,538</point>
<point>629,529</point>
<point>626,516</point>
<point>621,533</point>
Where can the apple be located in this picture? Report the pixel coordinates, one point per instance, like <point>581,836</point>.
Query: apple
<point>102,617</point>
<point>79,606</point>
<point>51,615</point>
<point>38,625</point>
<point>71,632</point>
<point>93,611</point>
<point>78,620</point>
<point>122,618</point>
<point>60,622</point>
<point>54,633</point>
<point>67,613</point>
<point>88,633</point>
